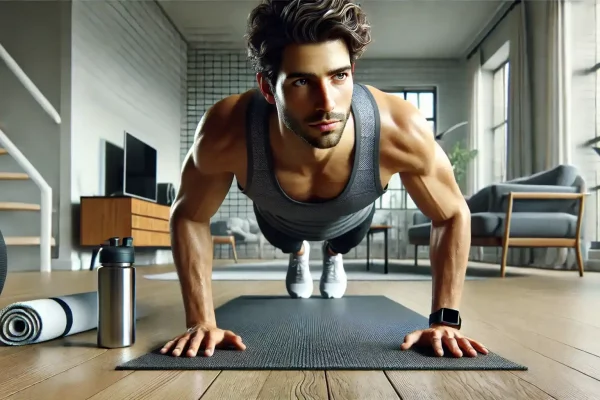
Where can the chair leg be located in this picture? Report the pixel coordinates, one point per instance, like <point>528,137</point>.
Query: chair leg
<point>579,258</point>
<point>234,251</point>
<point>416,256</point>
<point>504,257</point>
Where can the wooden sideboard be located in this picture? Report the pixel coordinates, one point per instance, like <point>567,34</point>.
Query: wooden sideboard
<point>104,217</point>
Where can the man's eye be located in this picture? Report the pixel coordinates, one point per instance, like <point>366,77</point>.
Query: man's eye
<point>342,75</point>
<point>299,82</point>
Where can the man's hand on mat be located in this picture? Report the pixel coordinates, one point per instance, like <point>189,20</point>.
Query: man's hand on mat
<point>451,337</point>
<point>203,337</point>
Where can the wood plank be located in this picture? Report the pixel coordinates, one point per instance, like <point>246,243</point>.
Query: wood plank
<point>306,385</point>
<point>13,176</point>
<point>237,385</point>
<point>14,206</point>
<point>463,385</point>
<point>25,241</point>
<point>268,385</point>
<point>26,368</point>
<point>372,385</point>
<point>75,382</point>
<point>159,385</point>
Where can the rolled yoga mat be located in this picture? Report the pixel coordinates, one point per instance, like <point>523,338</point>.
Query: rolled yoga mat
<point>41,320</point>
<point>351,333</point>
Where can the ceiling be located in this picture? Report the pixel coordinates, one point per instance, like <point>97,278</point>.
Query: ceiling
<point>400,28</point>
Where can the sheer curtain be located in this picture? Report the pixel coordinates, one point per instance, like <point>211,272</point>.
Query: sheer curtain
<point>474,71</point>
<point>520,129</point>
<point>558,84</point>
<point>556,123</point>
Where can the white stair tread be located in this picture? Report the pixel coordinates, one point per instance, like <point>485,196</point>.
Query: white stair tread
<point>13,175</point>
<point>25,241</point>
<point>5,205</point>
<point>3,151</point>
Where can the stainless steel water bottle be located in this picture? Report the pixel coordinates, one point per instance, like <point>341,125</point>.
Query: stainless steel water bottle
<point>116,294</point>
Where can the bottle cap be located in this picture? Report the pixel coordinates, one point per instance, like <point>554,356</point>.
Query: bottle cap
<point>113,253</point>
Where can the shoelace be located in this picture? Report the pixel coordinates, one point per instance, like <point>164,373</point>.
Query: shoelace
<point>331,271</point>
<point>297,268</point>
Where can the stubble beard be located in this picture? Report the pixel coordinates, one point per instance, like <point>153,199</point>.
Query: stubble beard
<point>325,140</point>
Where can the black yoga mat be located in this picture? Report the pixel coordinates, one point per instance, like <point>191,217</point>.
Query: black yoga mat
<point>351,333</point>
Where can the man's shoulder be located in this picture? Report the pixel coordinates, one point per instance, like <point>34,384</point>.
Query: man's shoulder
<point>405,132</point>
<point>220,120</point>
<point>394,109</point>
<point>221,129</point>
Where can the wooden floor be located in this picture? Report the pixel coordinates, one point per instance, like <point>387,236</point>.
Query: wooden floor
<point>548,321</point>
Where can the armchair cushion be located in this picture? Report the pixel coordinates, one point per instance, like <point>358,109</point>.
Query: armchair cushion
<point>500,191</point>
<point>523,224</point>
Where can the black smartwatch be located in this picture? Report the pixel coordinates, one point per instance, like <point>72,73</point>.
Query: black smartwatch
<point>446,316</point>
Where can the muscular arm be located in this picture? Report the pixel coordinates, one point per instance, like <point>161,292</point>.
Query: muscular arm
<point>202,190</point>
<point>428,177</point>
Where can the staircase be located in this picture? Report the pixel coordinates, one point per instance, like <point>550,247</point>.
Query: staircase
<point>18,217</point>
<point>11,211</point>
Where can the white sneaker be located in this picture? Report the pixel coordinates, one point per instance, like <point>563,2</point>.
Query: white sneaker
<point>333,279</point>
<point>298,280</point>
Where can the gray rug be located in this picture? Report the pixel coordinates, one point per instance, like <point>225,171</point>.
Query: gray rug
<point>352,333</point>
<point>275,270</point>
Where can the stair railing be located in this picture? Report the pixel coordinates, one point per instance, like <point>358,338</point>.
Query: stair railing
<point>45,189</point>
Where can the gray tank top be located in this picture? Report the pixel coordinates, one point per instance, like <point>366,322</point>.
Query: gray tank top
<point>320,220</point>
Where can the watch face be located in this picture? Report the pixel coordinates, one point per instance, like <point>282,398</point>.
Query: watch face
<point>450,316</point>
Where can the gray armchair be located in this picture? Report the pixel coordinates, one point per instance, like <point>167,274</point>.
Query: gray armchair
<point>541,210</point>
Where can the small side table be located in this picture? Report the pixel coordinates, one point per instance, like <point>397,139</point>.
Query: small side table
<point>230,240</point>
<point>373,230</point>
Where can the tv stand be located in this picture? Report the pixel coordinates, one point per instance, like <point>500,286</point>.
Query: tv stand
<point>103,217</point>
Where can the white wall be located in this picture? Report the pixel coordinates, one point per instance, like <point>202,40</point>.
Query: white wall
<point>128,74</point>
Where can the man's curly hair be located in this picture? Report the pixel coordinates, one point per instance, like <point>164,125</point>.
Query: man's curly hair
<point>274,24</point>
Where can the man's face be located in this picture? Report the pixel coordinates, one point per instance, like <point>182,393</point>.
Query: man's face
<point>313,92</point>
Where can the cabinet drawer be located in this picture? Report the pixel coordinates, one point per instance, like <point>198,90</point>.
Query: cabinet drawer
<point>148,238</point>
<point>148,209</point>
<point>149,224</point>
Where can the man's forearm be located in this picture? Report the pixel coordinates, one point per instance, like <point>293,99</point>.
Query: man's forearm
<point>449,254</point>
<point>192,252</point>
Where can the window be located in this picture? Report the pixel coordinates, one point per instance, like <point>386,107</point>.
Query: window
<point>396,196</point>
<point>500,123</point>
<point>424,100</point>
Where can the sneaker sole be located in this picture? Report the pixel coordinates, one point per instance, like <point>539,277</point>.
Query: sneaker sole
<point>300,290</point>
<point>333,290</point>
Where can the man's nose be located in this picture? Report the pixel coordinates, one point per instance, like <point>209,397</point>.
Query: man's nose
<point>325,98</point>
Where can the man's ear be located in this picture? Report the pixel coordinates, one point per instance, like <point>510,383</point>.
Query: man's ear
<point>265,88</point>
<point>353,68</point>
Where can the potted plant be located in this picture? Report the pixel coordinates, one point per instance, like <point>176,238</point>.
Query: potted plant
<point>460,157</point>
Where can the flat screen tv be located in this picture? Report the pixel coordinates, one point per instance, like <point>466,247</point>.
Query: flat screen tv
<point>113,169</point>
<point>140,167</point>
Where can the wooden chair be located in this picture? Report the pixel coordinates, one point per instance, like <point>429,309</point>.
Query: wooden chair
<point>230,240</point>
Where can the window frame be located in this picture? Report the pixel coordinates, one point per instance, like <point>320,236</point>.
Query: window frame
<point>504,69</point>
